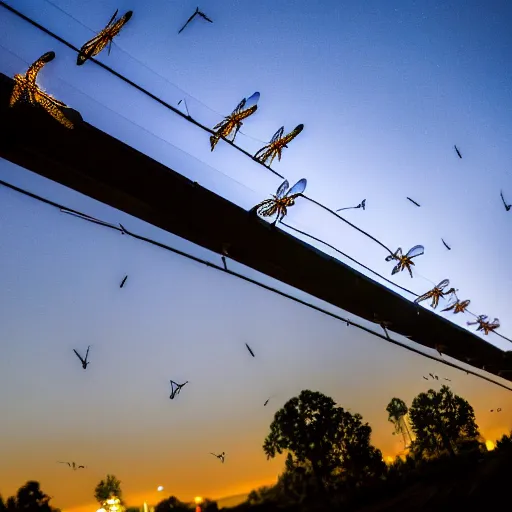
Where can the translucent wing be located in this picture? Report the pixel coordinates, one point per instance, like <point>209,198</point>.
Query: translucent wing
<point>252,101</point>
<point>417,250</point>
<point>396,269</point>
<point>34,69</point>
<point>464,304</point>
<point>443,284</point>
<point>298,188</point>
<point>277,135</point>
<point>450,306</point>
<point>112,19</point>
<point>281,191</point>
<point>397,254</point>
<point>495,323</point>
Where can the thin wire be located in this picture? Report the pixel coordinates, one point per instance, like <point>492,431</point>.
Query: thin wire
<point>123,230</point>
<point>190,119</point>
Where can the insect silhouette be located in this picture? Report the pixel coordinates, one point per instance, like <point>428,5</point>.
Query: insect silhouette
<point>458,306</point>
<point>405,260</point>
<point>426,378</point>
<point>362,205</point>
<point>103,38</point>
<point>436,293</point>
<point>250,350</point>
<point>82,360</point>
<point>449,380</point>
<point>176,388</point>
<point>485,325</point>
<point>266,402</point>
<point>413,201</point>
<point>73,465</point>
<point>123,281</point>
<point>446,245</point>
<point>434,376</point>
<point>276,145</point>
<point>26,88</point>
<point>232,122</point>
<point>283,199</point>
<point>440,348</point>
<point>220,456</point>
<point>497,410</point>
<point>196,13</point>
<point>507,206</point>
<point>458,152</point>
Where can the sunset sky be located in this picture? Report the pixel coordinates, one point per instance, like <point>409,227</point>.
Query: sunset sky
<point>384,89</point>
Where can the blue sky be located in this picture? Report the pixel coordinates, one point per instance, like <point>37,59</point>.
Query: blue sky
<point>384,92</point>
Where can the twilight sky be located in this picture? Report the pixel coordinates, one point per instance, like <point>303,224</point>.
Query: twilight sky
<point>384,89</point>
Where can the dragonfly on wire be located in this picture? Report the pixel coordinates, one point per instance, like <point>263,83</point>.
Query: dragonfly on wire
<point>405,260</point>
<point>362,205</point>
<point>436,293</point>
<point>26,88</point>
<point>459,306</point>
<point>507,206</point>
<point>276,145</point>
<point>95,45</point>
<point>196,13</point>
<point>232,122</point>
<point>283,199</point>
<point>176,388</point>
<point>485,325</point>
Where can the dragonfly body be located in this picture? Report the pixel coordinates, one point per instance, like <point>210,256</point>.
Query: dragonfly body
<point>197,12</point>
<point>220,456</point>
<point>485,325</point>
<point>436,293</point>
<point>276,145</point>
<point>405,260</point>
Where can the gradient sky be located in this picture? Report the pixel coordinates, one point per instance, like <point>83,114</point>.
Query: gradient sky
<point>384,89</point>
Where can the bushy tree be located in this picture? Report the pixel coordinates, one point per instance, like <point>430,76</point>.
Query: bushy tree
<point>107,488</point>
<point>29,498</point>
<point>172,504</point>
<point>325,438</point>
<point>505,443</point>
<point>397,412</point>
<point>440,419</point>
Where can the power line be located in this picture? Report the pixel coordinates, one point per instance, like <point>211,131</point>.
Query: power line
<point>196,123</point>
<point>121,229</point>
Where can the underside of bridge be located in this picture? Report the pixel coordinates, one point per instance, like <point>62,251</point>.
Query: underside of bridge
<point>94,163</point>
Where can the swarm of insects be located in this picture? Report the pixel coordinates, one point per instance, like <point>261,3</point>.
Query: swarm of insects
<point>405,260</point>
<point>459,306</point>
<point>232,122</point>
<point>25,88</point>
<point>436,293</point>
<point>104,38</point>
<point>485,325</point>
<point>277,144</point>
<point>280,202</point>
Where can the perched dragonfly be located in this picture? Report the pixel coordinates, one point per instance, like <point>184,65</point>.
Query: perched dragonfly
<point>103,38</point>
<point>220,456</point>
<point>232,122</point>
<point>507,206</point>
<point>413,201</point>
<point>82,360</point>
<point>196,13</point>
<point>484,324</point>
<point>176,388</point>
<point>362,205</point>
<point>123,281</point>
<point>73,465</point>
<point>459,306</point>
<point>250,350</point>
<point>26,88</point>
<point>277,144</point>
<point>458,152</point>
<point>446,245</point>
<point>436,293</point>
<point>281,201</point>
<point>405,260</point>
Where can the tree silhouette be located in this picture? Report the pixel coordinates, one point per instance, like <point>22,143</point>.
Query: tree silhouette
<point>108,488</point>
<point>505,443</point>
<point>29,498</point>
<point>3,507</point>
<point>172,504</point>
<point>397,411</point>
<point>439,419</point>
<point>209,505</point>
<point>327,438</point>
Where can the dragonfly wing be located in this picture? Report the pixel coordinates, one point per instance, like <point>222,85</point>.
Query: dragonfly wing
<point>298,188</point>
<point>252,101</point>
<point>112,19</point>
<point>78,355</point>
<point>277,135</point>
<point>281,191</point>
<point>443,284</point>
<point>417,250</point>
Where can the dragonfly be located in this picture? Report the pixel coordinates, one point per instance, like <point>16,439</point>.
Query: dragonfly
<point>26,88</point>
<point>405,260</point>
<point>232,122</point>
<point>283,199</point>
<point>484,324</point>
<point>436,293</point>
<point>446,245</point>
<point>250,350</point>
<point>414,202</point>
<point>176,388</point>
<point>196,13</point>
<point>457,151</point>
<point>82,360</point>
<point>220,456</point>
<point>73,465</point>
<point>459,306</point>
<point>362,205</point>
<point>507,206</point>
<point>123,281</point>
<point>276,145</point>
<point>103,38</point>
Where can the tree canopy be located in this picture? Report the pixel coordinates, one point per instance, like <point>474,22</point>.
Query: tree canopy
<point>316,432</point>
<point>111,486</point>
<point>439,419</point>
<point>172,504</point>
<point>29,498</point>
<point>397,410</point>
